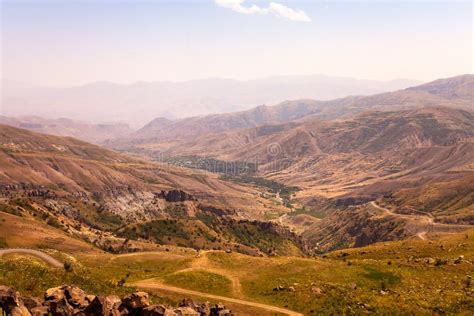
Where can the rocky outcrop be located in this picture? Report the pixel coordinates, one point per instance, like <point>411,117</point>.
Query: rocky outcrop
<point>68,300</point>
<point>175,196</point>
<point>11,302</point>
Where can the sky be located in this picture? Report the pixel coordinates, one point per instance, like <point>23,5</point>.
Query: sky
<point>73,42</point>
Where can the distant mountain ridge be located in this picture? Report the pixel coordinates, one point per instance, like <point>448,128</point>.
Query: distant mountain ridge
<point>170,132</point>
<point>138,102</point>
<point>94,133</point>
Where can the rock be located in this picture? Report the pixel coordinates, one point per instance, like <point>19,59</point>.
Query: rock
<point>76,297</point>
<point>20,311</point>
<point>430,261</point>
<point>32,302</point>
<point>104,305</point>
<point>59,307</point>
<point>136,300</point>
<point>316,290</point>
<point>226,312</point>
<point>54,294</point>
<point>352,286</point>
<point>56,300</point>
<point>157,310</point>
<point>459,259</point>
<point>39,311</point>
<point>202,308</point>
<point>291,289</point>
<point>90,298</point>
<point>175,196</point>
<point>216,309</point>
<point>382,292</point>
<point>9,299</point>
<point>186,311</point>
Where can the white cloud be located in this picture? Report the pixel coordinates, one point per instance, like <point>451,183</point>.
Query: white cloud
<point>280,10</point>
<point>276,9</point>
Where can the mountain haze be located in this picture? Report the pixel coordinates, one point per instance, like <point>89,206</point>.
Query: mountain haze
<point>136,103</point>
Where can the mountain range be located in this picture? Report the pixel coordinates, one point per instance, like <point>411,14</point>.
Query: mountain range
<point>302,176</point>
<point>135,104</point>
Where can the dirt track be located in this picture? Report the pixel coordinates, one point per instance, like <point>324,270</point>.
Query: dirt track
<point>39,254</point>
<point>426,220</point>
<point>153,284</point>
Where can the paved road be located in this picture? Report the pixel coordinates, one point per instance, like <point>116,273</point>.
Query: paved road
<point>154,285</point>
<point>39,254</point>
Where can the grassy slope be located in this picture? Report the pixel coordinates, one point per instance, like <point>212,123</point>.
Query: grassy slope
<point>398,268</point>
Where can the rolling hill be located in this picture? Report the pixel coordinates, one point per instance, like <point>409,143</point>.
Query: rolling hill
<point>108,197</point>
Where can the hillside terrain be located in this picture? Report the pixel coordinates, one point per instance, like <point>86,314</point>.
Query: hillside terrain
<point>416,158</point>
<point>411,276</point>
<point>411,161</point>
<point>297,209</point>
<point>115,200</point>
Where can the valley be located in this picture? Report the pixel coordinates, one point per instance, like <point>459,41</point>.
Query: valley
<point>236,158</point>
<point>287,214</point>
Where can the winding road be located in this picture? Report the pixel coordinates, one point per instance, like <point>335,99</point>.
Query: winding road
<point>36,253</point>
<point>427,219</point>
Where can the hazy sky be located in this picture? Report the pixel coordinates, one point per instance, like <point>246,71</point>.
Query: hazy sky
<point>75,42</point>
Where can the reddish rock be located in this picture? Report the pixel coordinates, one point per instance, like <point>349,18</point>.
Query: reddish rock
<point>157,310</point>
<point>104,305</point>
<point>136,300</point>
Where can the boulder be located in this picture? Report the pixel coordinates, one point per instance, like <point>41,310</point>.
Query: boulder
<point>136,300</point>
<point>9,299</point>
<point>76,297</point>
<point>55,299</point>
<point>90,298</point>
<point>32,302</point>
<point>201,308</point>
<point>54,294</point>
<point>20,311</point>
<point>59,307</point>
<point>157,310</point>
<point>186,311</point>
<point>39,311</point>
<point>104,305</point>
<point>216,309</point>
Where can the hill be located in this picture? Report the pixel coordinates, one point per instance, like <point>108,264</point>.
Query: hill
<point>108,197</point>
<point>94,133</point>
<point>385,278</point>
<point>413,161</point>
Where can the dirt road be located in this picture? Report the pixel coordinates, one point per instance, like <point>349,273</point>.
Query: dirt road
<point>155,285</point>
<point>426,220</point>
<point>39,254</point>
